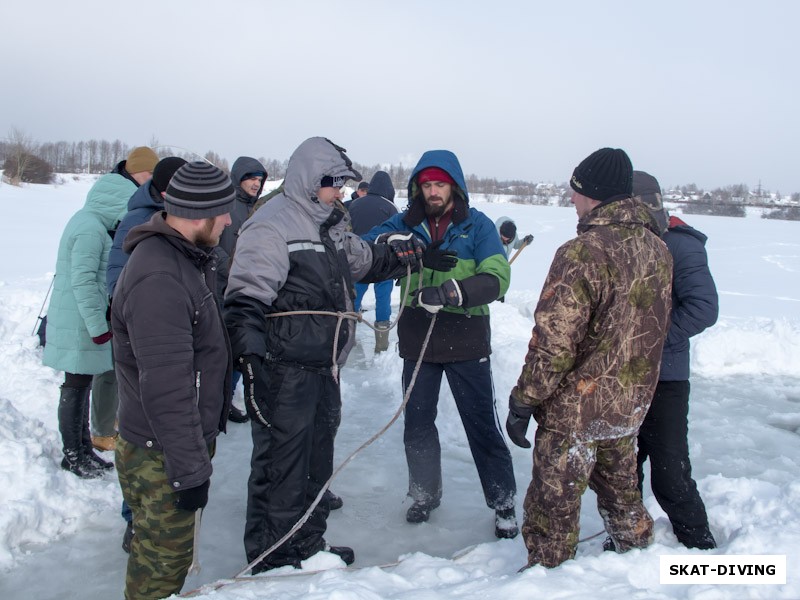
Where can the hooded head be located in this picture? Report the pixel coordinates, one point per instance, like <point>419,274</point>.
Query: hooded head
<point>315,158</point>
<point>436,165</point>
<point>647,190</point>
<point>381,185</point>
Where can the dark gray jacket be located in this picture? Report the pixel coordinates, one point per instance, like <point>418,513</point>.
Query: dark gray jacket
<point>294,254</point>
<point>171,351</point>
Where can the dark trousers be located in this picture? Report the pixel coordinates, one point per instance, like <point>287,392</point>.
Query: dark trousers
<point>292,459</point>
<point>663,438</point>
<point>473,390</point>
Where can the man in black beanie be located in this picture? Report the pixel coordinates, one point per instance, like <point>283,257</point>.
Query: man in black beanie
<point>592,365</point>
<point>173,365</point>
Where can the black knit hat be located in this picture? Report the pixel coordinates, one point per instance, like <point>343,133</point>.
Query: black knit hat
<point>603,174</point>
<point>364,185</point>
<point>199,190</point>
<point>646,189</point>
<point>164,171</point>
<point>508,230</point>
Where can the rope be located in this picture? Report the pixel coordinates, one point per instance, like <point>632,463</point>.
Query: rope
<point>41,310</point>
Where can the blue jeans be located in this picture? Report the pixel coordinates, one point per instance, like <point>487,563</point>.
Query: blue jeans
<point>383,298</point>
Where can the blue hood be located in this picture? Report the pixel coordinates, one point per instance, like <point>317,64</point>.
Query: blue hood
<point>444,159</point>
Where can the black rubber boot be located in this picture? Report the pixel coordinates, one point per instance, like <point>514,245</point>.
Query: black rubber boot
<point>420,512</point>
<point>86,438</point>
<point>70,425</point>
<point>334,501</point>
<point>344,552</point>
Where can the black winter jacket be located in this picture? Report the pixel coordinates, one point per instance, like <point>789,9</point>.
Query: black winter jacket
<point>171,351</point>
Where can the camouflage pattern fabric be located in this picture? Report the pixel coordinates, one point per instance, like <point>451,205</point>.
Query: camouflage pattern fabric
<point>562,469</point>
<point>593,359</point>
<point>161,551</point>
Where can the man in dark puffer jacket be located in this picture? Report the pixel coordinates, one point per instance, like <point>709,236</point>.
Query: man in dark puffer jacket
<point>173,365</point>
<point>663,436</point>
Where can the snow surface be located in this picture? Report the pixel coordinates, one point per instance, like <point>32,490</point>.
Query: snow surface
<point>60,535</point>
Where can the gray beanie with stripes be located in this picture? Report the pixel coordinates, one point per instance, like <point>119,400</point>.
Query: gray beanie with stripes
<point>199,190</point>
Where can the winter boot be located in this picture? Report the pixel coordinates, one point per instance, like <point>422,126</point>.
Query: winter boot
<point>420,512</point>
<point>334,501</point>
<point>381,336</point>
<point>237,416</point>
<point>345,553</point>
<point>71,420</point>
<point>88,442</point>
<point>505,523</point>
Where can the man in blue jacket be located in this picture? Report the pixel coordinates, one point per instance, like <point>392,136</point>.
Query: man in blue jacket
<point>663,436</point>
<point>439,214</point>
<point>366,212</point>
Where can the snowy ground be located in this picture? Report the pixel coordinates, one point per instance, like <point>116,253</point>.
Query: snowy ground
<point>60,536</point>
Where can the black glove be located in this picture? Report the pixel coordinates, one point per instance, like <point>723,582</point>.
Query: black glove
<point>254,381</point>
<point>437,259</point>
<point>406,246</point>
<point>528,239</point>
<point>193,498</point>
<point>433,298</point>
<point>519,415</point>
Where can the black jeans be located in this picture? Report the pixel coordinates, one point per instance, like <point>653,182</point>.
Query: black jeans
<point>663,438</point>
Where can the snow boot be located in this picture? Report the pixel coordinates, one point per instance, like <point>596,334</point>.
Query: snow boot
<point>237,416</point>
<point>345,553</point>
<point>420,512</point>
<point>695,537</point>
<point>609,545</point>
<point>381,336</point>
<point>88,442</point>
<point>334,501</point>
<point>71,419</point>
<point>505,523</point>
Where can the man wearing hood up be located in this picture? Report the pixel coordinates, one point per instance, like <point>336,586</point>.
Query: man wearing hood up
<point>439,214</point>
<point>247,176</point>
<point>366,212</point>
<point>293,255</point>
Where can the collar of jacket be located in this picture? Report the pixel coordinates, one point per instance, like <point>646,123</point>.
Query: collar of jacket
<point>416,212</point>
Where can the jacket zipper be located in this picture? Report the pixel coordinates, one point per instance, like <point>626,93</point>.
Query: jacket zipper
<point>197,388</point>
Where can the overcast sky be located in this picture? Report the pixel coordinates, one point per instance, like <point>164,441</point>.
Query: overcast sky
<point>701,92</point>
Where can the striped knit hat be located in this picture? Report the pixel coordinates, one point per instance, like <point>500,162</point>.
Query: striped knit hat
<point>199,190</point>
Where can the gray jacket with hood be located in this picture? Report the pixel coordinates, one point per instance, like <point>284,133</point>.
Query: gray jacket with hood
<point>294,254</point>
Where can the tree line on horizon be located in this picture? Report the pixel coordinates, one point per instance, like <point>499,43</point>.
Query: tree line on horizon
<point>26,161</point>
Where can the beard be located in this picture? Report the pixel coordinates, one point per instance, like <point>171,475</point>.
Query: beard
<point>205,237</point>
<point>437,210</point>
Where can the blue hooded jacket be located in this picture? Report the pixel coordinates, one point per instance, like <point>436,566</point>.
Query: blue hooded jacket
<point>462,332</point>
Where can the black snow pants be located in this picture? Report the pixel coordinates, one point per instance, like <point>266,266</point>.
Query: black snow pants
<point>663,438</point>
<point>291,461</point>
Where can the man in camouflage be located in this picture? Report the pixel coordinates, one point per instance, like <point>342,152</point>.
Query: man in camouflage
<point>592,365</point>
<point>173,366</point>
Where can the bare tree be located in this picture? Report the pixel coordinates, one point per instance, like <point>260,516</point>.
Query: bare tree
<point>20,151</point>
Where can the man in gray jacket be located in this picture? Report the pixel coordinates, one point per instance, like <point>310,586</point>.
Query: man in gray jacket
<point>295,256</point>
<point>173,367</point>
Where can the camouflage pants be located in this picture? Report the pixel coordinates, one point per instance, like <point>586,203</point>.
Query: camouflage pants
<point>562,469</point>
<point>161,551</point>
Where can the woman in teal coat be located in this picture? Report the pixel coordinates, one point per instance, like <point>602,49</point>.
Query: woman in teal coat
<point>78,334</point>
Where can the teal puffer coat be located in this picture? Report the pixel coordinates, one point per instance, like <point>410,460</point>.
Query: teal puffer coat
<point>77,311</point>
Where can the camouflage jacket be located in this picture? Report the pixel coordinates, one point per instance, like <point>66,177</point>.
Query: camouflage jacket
<point>593,360</point>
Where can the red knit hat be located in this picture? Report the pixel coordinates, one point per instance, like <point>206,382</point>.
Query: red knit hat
<point>434,174</point>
